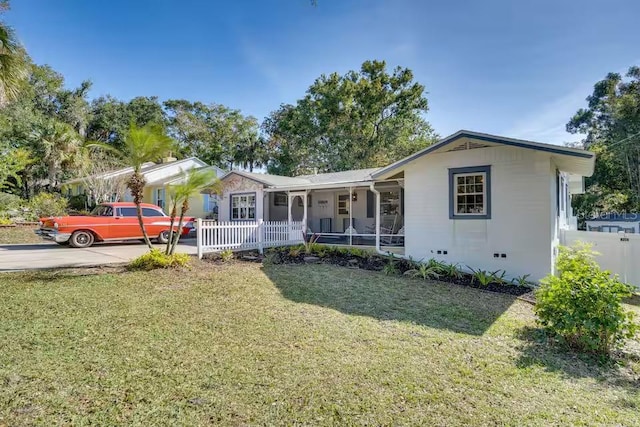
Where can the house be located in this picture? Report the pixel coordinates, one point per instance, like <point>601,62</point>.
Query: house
<point>159,177</point>
<point>615,222</point>
<point>479,200</point>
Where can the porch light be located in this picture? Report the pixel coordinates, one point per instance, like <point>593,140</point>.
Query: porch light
<point>354,197</point>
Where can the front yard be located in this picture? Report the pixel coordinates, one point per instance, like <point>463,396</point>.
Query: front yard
<point>239,344</point>
<point>18,234</point>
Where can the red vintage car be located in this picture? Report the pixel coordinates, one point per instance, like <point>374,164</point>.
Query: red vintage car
<point>110,222</point>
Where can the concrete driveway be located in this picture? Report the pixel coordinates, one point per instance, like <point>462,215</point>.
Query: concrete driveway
<point>51,255</point>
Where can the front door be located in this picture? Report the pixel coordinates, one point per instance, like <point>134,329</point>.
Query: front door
<point>342,212</point>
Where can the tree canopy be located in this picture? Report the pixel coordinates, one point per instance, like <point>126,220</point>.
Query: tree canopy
<point>357,120</point>
<point>611,125</point>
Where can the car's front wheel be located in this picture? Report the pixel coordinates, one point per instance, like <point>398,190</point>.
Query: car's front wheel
<point>163,237</point>
<point>81,239</point>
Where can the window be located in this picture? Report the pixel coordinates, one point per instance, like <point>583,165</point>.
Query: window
<point>243,207</point>
<point>102,210</point>
<point>159,198</point>
<point>470,193</point>
<point>343,204</point>
<point>128,212</point>
<point>151,212</point>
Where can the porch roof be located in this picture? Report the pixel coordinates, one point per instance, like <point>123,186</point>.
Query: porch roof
<point>357,177</point>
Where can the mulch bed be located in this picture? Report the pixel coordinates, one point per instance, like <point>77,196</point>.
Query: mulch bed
<point>369,261</point>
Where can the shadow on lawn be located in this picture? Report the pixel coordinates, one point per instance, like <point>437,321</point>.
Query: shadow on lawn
<point>539,350</point>
<point>366,293</point>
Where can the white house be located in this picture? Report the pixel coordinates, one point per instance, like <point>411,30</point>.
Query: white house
<point>159,177</point>
<point>479,200</point>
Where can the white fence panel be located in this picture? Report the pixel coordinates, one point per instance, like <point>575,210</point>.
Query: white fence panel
<point>619,252</point>
<point>216,236</point>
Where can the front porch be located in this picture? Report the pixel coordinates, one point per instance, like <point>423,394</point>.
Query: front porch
<point>345,215</point>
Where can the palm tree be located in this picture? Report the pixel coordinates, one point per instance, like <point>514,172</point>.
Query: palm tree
<point>141,145</point>
<point>59,146</point>
<point>13,65</point>
<point>194,182</point>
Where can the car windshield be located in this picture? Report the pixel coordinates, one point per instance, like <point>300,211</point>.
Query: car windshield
<point>102,210</point>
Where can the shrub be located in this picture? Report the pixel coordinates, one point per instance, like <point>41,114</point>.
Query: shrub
<point>78,202</point>
<point>390,267</point>
<point>483,277</point>
<point>48,204</point>
<point>158,259</point>
<point>582,305</point>
<point>226,255</point>
<point>425,271</point>
<point>9,202</point>
<point>5,221</point>
<point>522,280</point>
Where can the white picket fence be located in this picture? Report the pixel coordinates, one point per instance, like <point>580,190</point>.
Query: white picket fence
<point>216,236</point>
<point>618,252</point>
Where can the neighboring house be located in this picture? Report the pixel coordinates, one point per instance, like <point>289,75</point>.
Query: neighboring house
<point>614,223</point>
<point>202,205</point>
<point>159,177</point>
<point>479,200</point>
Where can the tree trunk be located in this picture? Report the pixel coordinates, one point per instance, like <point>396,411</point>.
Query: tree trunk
<point>173,220</point>
<point>142,227</point>
<point>136,185</point>
<point>175,242</point>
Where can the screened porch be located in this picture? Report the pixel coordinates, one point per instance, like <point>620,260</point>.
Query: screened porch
<point>346,215</point>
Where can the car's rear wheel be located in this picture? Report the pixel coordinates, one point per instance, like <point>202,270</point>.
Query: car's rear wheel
<point>81,239</point>
<point>163,237</point>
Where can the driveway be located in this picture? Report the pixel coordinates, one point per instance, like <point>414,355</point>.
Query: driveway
<point>51,255</point>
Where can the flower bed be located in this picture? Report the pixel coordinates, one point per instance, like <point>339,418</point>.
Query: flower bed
<point>367,260</point>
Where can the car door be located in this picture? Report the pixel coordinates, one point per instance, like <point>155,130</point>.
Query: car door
<point>125,224</point>
<point>155,221</point>
<point>101,221</point>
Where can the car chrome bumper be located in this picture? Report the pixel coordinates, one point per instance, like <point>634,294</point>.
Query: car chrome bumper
<point>53,235</point>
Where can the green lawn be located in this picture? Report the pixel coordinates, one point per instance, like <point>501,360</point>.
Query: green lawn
<point>20,234</point>
<point>242,344</point>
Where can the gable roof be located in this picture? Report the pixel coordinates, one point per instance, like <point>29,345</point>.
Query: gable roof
<point>577,153</point>
<point>147,167</point>
<point>179,177</point>
<point>266,179</point>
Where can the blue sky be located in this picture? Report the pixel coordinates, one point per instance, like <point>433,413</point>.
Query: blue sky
<point>509,67</point>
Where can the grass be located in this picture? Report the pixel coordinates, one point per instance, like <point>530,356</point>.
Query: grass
<point>242,344</point>
<point>19,234</point>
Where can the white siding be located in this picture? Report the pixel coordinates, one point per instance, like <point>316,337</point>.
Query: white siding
<point>235,184</point>
<point>520,224</point>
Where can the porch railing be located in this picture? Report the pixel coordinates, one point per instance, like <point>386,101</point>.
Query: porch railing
<point>213,236</point>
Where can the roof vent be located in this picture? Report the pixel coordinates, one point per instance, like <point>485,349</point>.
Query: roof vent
<point>168,159</point>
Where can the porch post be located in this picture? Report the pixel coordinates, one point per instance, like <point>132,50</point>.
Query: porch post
<point>304,215</point>
<point>377,193</point>
<point>290,203</point>
<point>350,216</point>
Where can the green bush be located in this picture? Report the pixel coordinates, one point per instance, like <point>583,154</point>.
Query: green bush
<point>226,255</point>
<point>48,204</point>
<point>158,259</point>
<point>582,305</point>
<point>10,202</point>
<point>78,202</point>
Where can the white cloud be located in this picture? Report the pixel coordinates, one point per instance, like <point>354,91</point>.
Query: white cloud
<point>547,124</point>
